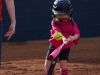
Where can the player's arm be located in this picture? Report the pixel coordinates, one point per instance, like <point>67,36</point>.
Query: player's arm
<point>76,34</point>
<point>11,11</point>
<point>75,37</point>
<point>55,27</point>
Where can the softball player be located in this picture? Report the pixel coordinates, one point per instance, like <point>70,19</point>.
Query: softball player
<point>11,11</point>
<point>62,22</point>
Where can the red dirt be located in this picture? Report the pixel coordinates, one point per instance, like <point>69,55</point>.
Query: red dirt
<point>27,58</point>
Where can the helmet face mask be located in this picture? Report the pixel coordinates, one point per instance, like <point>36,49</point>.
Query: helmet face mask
<point>61,7</point>
<point>62,18</point>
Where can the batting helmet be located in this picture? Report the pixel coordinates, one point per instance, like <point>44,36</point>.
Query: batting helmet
<point>62,7</point>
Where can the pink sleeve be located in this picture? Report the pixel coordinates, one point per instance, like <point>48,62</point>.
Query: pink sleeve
<point>55,28</point>
<point>76,31</point>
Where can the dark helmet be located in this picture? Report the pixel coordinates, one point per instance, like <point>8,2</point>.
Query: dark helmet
<point>62,7</point>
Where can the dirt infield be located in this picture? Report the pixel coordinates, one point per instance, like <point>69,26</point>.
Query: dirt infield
<point>27,58</point>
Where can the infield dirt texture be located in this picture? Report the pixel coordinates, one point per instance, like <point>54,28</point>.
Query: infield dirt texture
<point>27,58</point>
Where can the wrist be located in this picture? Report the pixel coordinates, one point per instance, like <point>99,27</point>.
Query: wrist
<point>71,38</point>
<point>13,23</point>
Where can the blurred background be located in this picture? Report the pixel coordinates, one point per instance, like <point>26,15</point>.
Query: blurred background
<point>34,19</point>
<point>25,52</point>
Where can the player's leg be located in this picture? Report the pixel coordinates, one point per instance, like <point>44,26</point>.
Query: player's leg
<point>47,66</point>
<point>63,67</point>
<point>48,61</point>
<point>63,59</point>
<point>1,39</point>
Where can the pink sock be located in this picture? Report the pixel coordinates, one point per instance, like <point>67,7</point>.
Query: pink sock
<point>64,71</point>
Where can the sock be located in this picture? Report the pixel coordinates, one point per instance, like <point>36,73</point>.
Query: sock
<point>64,71</point>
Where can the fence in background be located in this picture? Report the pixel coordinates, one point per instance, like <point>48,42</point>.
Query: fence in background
<point>34,18</point>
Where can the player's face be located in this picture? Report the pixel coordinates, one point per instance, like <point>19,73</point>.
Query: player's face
<point>62,18</point>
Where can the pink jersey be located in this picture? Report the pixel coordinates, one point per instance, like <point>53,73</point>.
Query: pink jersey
<point>67,29</point>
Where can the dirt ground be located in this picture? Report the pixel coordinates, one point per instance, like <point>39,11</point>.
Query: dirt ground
<point>27,58</point>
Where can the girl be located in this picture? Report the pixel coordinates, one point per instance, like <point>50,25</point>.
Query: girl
<point>62,22</point>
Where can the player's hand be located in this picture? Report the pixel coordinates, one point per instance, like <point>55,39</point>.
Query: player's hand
<point>65,39</point>
<point>10,32</point>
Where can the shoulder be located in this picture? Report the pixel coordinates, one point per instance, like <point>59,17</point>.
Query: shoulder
<point>52,22</point>
<point>73,22</point>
